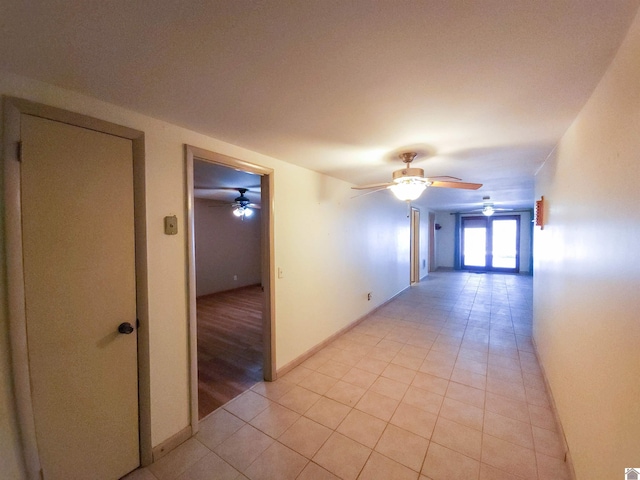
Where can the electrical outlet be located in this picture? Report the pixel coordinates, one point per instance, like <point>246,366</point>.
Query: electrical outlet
<point>235,277</point>
<point>369,297</point>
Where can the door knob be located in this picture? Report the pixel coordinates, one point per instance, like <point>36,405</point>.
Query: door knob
<point>125,328</point>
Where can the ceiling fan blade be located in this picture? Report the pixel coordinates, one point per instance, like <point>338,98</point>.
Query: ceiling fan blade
<point>372,191</point>
<point>249,205</point>
<point>465,185</point>
<point>373,185</point>
<point>233,205</point>
<point>444,177</point>
<point>496,210</point>
<point>250,189</point>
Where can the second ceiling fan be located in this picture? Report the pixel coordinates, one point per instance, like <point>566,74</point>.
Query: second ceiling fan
<point>242,205</point>
<point>409,183</point>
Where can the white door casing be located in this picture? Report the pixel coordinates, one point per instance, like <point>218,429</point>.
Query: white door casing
<point>267,262</point>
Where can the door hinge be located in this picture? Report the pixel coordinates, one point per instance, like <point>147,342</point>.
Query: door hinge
<point>137,323</point>
<point>19,151</point>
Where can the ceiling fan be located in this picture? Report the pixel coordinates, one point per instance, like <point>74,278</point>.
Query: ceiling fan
<point>242,205</point>
<point>488,208</point>
<point>409,183</point>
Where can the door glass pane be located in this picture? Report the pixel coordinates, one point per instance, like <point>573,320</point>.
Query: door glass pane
<point>475,245</point>
<point>504,243</point>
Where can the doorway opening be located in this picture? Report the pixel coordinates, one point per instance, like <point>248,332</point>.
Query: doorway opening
<point>228,283</point>
<point>230,278</point>
<point>491,243</point>
<point>432,242</point>
<point>415,246</point>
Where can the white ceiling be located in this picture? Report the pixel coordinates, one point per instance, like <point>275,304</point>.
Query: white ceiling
<point>481,89</point>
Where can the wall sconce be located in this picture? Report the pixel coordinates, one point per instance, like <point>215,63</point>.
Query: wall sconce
<point>540,213</point>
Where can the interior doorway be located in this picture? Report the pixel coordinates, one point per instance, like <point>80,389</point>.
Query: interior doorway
<point>230,278</point>
<point>491,243</point>
<point>432,242</point>
<point>415,246</point>
<point>228,283</point>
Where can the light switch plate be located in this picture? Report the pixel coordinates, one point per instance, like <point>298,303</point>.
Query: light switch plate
<point>171,225</point>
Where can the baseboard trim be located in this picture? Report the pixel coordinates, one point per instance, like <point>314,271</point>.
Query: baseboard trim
<point>229,290</point>
<point>172,442</point>
<point>554,409</point>
<point>313,350</point>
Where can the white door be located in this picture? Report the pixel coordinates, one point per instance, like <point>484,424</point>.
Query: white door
<point>79,271</point>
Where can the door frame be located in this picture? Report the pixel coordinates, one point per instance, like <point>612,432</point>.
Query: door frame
<point>489,245</point>
<point>267,271</point>
<point>13,108</point>
<point>432,242</point>
<point>414,247</point>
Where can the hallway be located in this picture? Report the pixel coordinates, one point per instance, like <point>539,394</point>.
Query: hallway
<point>440,383</point>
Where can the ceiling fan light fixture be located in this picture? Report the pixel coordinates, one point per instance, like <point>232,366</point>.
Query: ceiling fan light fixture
<point>488,210</point>
<point>408,189</point>
<point>242,211</point>
<point>409,183</point>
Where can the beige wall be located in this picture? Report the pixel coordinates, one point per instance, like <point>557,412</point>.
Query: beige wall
<point>332,249</point>
<point>226,246</point>
<point>445,239</point>
<point>10,452</point>
<point>587,274</point>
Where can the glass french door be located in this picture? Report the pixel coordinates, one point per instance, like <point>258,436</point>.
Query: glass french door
<point>491,243</point>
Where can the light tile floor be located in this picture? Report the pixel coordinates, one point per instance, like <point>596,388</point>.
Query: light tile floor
<point>440,383</point>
